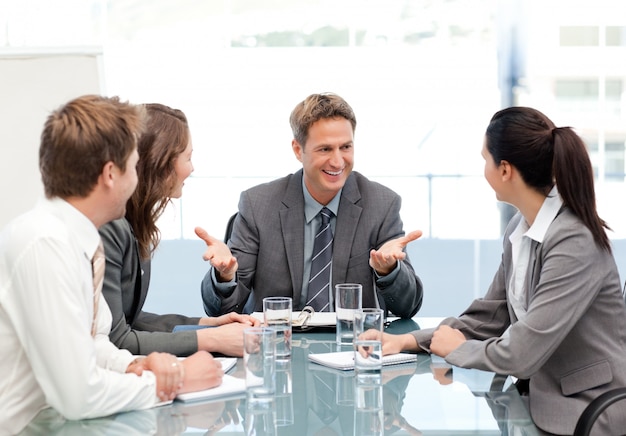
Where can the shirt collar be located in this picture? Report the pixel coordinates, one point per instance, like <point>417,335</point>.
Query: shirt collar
<point>548,211</point>
<point>312,207</point>
<point>86,233</point>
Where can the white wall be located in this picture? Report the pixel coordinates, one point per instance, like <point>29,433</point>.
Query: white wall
<point>32,84</point>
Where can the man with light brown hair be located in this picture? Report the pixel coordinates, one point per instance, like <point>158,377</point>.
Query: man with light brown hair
<point>54,324</point>
<point>271,251</point>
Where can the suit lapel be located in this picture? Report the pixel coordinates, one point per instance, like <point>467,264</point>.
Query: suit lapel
<point>142,279</point>
<point>292,231</point>
<point>348,216</point>
<point>533,271</point>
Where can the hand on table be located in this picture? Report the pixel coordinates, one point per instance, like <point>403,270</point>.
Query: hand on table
<point>392,344</point>
<point>220,256</point>
<point>232,317</point>
<point>226,339</point>
<point>168,370</point>
<point>445,340</point>
<point>385,258</point>
<point>202,371</point>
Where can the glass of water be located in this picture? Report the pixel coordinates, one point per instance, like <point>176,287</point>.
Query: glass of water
<point>277,315</point>
<point>348,297</point>
<point>259,363</point>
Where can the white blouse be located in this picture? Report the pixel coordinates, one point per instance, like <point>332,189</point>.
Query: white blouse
<point>521,242</point>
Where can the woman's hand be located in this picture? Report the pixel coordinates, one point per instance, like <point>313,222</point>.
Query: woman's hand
<point>445,340</point>
<point>231,317</point>
<point>225,339</point>
<point>392,344</point>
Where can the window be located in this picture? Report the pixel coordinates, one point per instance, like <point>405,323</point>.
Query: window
<point>614,158</point>
<point>616,36</point>
<point>579,36</point>
<point>583,95</point>
<point>422,76</point>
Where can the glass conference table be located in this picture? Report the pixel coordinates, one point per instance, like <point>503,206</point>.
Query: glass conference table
<point>427,397</point>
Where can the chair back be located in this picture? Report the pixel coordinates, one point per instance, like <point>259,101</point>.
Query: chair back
<point>229,227</point>
<point>593,411</point>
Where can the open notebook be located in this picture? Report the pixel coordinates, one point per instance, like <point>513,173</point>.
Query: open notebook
<point>344,360</point>
<point>231,386</point>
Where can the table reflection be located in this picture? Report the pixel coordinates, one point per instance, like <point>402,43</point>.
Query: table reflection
<point>418,398</point>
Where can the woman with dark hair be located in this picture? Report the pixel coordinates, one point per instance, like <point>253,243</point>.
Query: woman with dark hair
<point>554,315</point>
<point>164,164</point>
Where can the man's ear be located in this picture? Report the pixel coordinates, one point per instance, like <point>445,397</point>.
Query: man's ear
<point>297,149</point>
<point>109,173</point>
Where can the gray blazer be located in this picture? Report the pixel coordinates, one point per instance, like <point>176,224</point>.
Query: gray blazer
<point>572,342</point>
<point>268,242</point>
<point>125,288</point>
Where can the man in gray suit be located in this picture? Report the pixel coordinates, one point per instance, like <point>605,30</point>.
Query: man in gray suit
<point>271,249</point>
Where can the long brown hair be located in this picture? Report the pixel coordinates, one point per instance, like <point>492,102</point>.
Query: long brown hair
<point>544,155</point>
<point>166,137</point>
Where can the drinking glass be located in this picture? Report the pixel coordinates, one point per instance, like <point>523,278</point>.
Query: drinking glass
<point>277,315</point>
<point>348,297</point>
<point>259,359</point>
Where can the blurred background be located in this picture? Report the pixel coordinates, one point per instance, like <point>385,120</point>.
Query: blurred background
<point>423,76</point>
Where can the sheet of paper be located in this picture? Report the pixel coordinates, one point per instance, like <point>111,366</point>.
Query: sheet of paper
<point>230,386</point>
<point>344,360</point>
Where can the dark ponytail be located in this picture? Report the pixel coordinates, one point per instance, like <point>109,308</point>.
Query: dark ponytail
<point>573,175</point>
<point>545,155</point>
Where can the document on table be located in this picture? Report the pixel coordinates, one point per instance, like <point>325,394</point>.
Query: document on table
<point>318,319</point>
<point>344,360</point>
<point>227,362</point>
<point>231,386</point>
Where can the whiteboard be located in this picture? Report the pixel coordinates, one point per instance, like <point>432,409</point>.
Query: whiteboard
<point>32,84</point>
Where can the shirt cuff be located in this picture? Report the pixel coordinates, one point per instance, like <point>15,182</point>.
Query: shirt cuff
<point>389,278</point>
<point>224,288</point>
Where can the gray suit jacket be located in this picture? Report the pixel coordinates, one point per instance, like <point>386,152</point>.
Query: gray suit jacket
<point>572,342</point>
<point>125,288</point>
<point>268,242</point>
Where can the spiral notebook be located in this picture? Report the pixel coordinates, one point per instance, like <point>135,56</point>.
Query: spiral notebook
<point>344,360</point>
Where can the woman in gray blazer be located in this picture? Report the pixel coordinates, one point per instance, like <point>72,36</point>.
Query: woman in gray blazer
<point>554,314</point>
<point>164,163</point>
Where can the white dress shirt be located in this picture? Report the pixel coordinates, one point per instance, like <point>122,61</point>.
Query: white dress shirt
<point>520,246</point>
<point>49,357</point>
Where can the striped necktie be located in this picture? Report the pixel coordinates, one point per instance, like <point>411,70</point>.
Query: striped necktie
<point>319,281</point>
<point>97,265</point>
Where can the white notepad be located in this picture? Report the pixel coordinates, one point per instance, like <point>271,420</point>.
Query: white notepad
<point>227,362</point>
<point>344,360</point>
<point>230,386</point>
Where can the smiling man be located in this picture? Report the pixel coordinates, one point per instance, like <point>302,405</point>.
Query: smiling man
<point>324,211</point>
